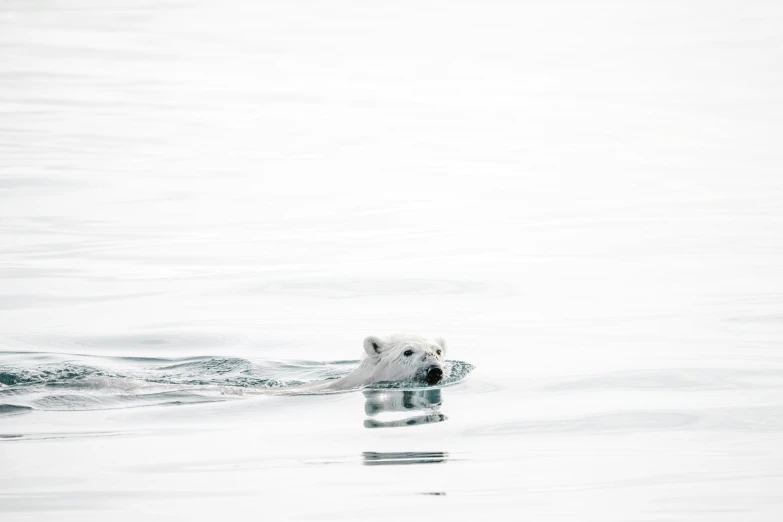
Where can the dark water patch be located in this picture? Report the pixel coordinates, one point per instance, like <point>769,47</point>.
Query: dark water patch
<point>12,409</point>
<point>46,375</point>
<point>12,437</point>
<point>374,458</point>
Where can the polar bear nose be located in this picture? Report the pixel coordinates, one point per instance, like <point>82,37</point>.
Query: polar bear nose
<point>434,375</point>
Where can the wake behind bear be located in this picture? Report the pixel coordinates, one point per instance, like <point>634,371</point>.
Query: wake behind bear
<point>398,357</point>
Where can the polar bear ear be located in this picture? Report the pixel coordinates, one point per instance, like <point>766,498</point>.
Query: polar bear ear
<point>373,345</point>
<point>442,342</point>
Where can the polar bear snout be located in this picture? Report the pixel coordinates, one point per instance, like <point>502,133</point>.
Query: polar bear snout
<point>434,375</point>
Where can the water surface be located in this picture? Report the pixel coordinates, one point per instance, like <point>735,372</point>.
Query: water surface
<point>198,199</point>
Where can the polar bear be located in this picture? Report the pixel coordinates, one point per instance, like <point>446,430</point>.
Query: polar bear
<point>398,357</point>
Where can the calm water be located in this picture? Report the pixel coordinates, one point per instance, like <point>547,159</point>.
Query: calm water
<point>202,201</point>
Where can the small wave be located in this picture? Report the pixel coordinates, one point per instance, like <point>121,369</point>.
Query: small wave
<point>45,374</point>
<point>12,409</point>
<point>171,340</point>
<point>79,382</point>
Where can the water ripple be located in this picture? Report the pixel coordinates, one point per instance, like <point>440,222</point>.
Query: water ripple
<point>675,379</point>
<point>760,419</point>
<point>127,342</point>
<point>354,287</point>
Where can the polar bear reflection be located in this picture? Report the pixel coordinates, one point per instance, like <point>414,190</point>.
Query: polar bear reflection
<point>391,401</point>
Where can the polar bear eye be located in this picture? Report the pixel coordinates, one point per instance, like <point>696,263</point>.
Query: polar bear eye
<point>408,353</point>
<point>440,351</point>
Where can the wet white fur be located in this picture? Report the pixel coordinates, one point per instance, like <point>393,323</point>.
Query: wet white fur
<point>385,360</point>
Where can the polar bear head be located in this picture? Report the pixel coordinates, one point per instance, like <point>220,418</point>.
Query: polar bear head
<point>404,357</point>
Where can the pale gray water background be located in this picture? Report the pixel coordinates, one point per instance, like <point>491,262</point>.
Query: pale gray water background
<point>584,198</point>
